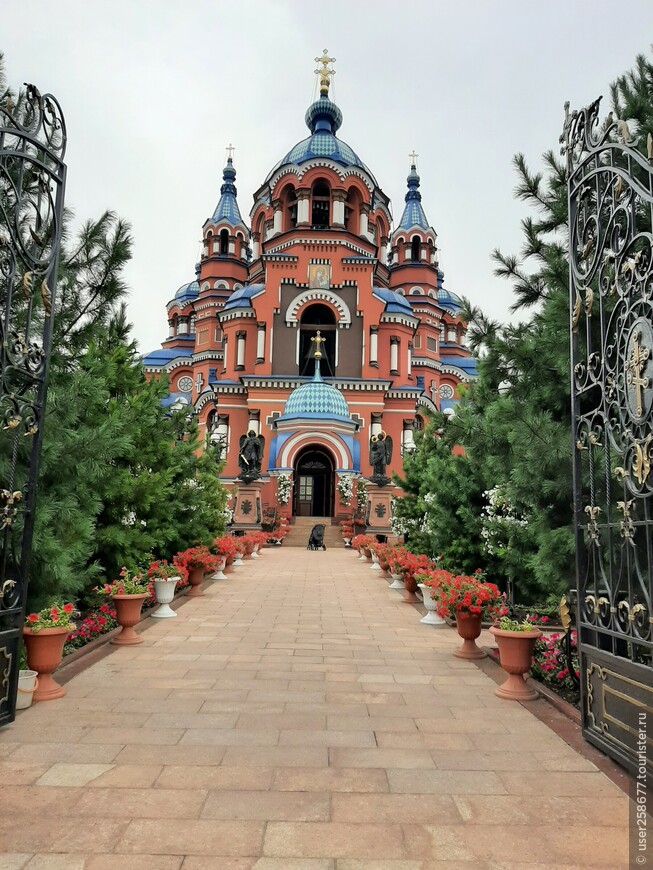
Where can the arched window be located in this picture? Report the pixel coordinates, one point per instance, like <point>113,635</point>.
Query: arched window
<point>414,248</point>
<point>416,291</point>
<point>418,422</point>
<point>316,317</point>
<point>224,242</point>
<point>289,206</point>
<point>320,205</point>
<point>353,210</point>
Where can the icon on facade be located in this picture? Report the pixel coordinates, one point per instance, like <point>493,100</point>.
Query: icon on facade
<point>319,276</point>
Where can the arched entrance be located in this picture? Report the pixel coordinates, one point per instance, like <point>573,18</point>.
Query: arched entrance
<point>314,489</point>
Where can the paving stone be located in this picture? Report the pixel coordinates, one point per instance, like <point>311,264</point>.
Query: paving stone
<point>336,839</point>
<point>267,806</point>
<point>330,779</point>
<point>234,839</point>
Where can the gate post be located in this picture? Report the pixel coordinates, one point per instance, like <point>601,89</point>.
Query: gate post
<point>32,186</point>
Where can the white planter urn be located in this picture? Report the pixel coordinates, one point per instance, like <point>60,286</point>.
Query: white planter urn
<point>164,592</point>
<point>431,617</point>
<point>362,557</point>
<point>238,561</point>
<point>219,571</point>
<point>254,554</point>
<point>347,542</point>
<point>397,581</point>
<point>376,565</point>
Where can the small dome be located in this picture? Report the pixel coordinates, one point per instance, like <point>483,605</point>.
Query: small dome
<point>316,399</point>
<point>323,118</point>
<point>449,300</point>
<point>187,291</point>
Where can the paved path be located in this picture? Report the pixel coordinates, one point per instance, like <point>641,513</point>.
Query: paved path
<point>298,717</point>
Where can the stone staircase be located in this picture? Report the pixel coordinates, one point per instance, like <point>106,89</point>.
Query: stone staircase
<point>299,531</point>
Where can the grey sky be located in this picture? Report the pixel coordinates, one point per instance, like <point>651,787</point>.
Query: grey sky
<point>154,91</point>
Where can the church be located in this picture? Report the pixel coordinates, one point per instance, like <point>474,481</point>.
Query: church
<point>315,334</point>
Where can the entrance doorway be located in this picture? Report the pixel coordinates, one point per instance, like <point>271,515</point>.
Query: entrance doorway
<point>314,483</point>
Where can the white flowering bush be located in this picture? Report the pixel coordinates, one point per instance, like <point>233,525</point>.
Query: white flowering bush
<point>345,488</point>
<point>228,515</point>
<point>361,496</point>
<point>500,521</point>
<point>284,487</point>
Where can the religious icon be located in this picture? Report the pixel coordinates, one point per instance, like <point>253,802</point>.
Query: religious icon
<point>319,276</point>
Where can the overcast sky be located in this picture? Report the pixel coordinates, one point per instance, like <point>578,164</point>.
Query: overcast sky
<point>154,91</point>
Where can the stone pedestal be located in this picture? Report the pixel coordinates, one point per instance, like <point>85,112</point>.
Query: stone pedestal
<point>248,509</point>
<point>379,509</point>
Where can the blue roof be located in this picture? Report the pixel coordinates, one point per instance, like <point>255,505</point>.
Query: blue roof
<point>394,302</point>
<point>323,118</point>
<point>227,208</point>
<point>317,400</point>
<point>164,354</point>
<point>243,298</point>
<point>466,363</point>
<point>413,215</point>
<point>188,291</point>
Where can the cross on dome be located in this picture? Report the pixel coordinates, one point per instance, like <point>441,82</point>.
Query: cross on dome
<point>319,341</point>
<point>325,73</point>
<point>413,159</point>
<point>230,151</point>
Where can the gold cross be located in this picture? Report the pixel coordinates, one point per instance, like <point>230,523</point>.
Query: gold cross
<point>319,341</point>
<point>413,159</point>
<point>635,367</point>
<point>325,73</point>
<point>230,150</point>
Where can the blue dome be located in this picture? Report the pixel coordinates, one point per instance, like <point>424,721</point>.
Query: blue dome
<point>323,118</point>
<point>188,291</point>
<point>449,300</point>
<point>316,399</point>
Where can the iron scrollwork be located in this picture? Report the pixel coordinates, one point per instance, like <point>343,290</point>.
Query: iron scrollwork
<point>610,186</point>
<point>32,182</point>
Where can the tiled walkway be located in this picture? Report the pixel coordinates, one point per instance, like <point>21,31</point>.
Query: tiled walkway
<point>298,717</point>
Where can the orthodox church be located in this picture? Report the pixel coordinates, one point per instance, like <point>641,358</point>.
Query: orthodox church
<point>315,335</point>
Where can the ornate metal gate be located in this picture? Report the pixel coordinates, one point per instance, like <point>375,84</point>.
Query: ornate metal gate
<point>611,297</point>
<point>32,182</point>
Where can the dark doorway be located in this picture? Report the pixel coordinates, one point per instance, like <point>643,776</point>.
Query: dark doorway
<point>314,483</point>
<point>316,317</point>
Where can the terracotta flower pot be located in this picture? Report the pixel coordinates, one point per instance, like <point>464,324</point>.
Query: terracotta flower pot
<point>128,614</point>
<point>516,656</point>
<point>411,588</point>
<point>469,628</point>
<point>195,578</point>
<point>44,652</point>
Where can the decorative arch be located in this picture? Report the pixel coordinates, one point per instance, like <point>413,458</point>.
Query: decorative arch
<point>336,446</point>
<point>293,312</point>
<point>221,285</point>
<point>416,291</point>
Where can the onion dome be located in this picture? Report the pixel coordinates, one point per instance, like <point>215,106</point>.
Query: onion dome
<point>227,211</point>
<point>413,215</point>
<point>317,399</point>
<point>187,292</point>
<point>447,299</point>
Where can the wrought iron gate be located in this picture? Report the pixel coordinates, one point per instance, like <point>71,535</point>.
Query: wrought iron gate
<point>32,182</point>
<point>610,189</point>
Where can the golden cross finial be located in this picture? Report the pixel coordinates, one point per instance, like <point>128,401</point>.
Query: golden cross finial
<point>635,369</point>
<point>413,159</point>
<point>230,150</point>
<point>325,73</point>
<point>319,341</point>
